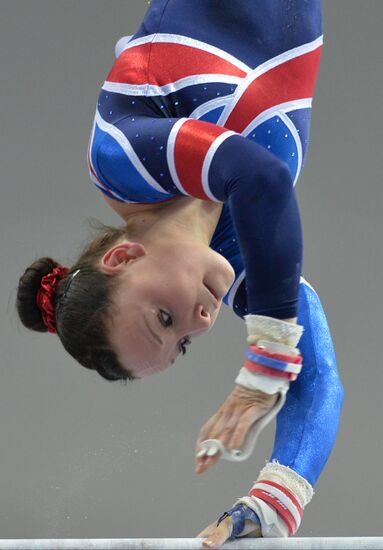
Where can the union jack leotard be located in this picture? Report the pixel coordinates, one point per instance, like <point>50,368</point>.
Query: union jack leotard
<point>212,99</point>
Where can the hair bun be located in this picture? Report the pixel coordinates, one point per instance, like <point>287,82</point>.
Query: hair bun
<point>29,284</point>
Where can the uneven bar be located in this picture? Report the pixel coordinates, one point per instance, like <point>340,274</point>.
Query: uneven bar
<point>309,543</point>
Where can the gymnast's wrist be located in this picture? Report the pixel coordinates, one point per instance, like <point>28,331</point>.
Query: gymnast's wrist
<point>265,384</point>
<point>272,358</point>
<point>278,497</point>
<point>261,327</point>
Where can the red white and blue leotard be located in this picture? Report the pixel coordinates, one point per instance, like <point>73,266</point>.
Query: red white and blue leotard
<point>212,99</point>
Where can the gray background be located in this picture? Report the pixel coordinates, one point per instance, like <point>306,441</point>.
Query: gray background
<point>81,457</point>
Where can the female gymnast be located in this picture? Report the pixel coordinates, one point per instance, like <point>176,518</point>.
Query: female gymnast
<point>199,136</point>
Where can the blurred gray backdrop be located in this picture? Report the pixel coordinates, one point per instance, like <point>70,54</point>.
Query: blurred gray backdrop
<point>82,457</point>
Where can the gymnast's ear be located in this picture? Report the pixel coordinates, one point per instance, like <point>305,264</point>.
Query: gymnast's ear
<point>120,254</point>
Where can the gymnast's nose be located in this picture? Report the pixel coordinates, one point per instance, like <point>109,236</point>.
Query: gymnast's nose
<point>202,319</point>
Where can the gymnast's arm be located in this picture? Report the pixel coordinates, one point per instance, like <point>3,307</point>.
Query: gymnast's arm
<point>308,423</point>
<point>306,427</point>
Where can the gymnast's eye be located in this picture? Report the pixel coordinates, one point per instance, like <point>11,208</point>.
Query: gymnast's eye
<point>185,342</point>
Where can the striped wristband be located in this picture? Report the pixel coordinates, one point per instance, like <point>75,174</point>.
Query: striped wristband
<point>271,363</point>
<point>282,500</point>
<point>278,497</point>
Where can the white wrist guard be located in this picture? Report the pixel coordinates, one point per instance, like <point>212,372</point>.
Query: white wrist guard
<point>278,497</point>
<point>273,358</point>
<point>260,327</point>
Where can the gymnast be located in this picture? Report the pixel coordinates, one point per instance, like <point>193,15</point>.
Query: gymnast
<point>199,136</point>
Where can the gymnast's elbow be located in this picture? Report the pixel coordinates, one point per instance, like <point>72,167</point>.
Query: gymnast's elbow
<point>272,181</point>
<point>277,181</point>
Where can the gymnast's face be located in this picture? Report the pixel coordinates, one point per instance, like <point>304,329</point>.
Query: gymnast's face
<point>163,301</point>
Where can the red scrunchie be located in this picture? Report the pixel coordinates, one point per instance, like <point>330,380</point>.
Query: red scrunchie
<point>45,295</point>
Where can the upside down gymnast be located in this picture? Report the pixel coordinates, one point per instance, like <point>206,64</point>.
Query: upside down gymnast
<point>211,99</point>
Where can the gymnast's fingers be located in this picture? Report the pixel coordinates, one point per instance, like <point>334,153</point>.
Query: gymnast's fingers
<point>207,531</point>
<point>216,536</point>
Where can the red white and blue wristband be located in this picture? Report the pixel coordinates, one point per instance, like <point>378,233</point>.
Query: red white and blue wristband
<point>282,500</point>
<point>267,496</point>
<point>261,361</point>
<point>278,498</point>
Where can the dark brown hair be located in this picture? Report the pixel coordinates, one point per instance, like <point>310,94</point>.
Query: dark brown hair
<point>82,314</point>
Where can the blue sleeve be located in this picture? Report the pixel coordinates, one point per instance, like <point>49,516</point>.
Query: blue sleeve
<point>308,422</point>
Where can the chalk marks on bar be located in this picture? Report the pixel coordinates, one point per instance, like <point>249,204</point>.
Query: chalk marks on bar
<point>307,543</point>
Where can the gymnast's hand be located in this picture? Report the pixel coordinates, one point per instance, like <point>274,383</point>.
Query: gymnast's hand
<point>239,521</point>
<point>231,423</point>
